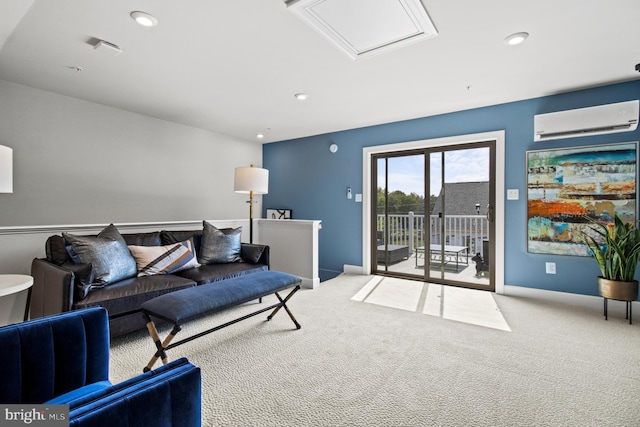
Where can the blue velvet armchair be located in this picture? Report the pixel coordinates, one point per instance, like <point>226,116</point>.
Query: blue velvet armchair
<point>64,359</point>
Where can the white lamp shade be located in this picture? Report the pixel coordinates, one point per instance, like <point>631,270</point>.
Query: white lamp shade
<point>6,169</point>
<point>251,179</point>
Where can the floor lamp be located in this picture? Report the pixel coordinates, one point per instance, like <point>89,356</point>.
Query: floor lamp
<point>6,169</point>
<point>252,181</point>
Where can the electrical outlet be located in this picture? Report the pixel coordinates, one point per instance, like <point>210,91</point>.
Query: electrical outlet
<point>550,267</point>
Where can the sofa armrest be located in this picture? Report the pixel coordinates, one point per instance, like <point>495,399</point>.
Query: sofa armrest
<point>52,290</point>
<point>255,254</point>
<point>169,395</point>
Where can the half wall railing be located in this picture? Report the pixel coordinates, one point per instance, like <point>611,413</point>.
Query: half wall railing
<point>409,230</point>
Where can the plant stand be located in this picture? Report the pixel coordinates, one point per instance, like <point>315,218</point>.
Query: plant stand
<point>619,291</point>
<point>629,305</point>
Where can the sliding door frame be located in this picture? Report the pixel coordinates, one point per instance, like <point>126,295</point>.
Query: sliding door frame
<point>499,188</point>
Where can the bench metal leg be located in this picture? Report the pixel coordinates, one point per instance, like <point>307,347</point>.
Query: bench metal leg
<point>161,346</point>
<point>167,345</point>
<point>283,303</point>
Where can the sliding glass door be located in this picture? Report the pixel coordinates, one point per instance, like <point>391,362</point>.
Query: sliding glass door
<point>447,236</point>
<point>399,205</point>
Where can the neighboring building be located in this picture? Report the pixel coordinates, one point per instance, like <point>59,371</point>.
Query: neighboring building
<point>463,203</point>
<point>461,198</point>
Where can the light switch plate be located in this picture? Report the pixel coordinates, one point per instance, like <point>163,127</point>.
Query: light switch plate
<point>513,194</point>
<point>550,267</point>
<point>358,198</point>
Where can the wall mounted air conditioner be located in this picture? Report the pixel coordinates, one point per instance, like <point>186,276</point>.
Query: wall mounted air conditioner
<point>609,118</point>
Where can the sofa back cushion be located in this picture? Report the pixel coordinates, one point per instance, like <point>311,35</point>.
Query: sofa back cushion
<point>55,250</point>
<point>169,237</point>
<point>143,239</point>
<point>57,253</point>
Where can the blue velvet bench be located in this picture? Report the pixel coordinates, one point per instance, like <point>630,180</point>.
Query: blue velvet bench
<point>187,304</point>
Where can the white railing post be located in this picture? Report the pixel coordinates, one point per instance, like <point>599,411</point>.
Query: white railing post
<point>411,231</point>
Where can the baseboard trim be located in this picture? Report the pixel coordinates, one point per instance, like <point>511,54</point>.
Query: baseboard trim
<point>590,301</point>
<point>310,283</point>
<point>352,269</point>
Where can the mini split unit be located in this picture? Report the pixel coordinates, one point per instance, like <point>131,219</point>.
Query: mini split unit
<point>602,119</point>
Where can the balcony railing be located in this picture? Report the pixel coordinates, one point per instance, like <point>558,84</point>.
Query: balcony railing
<point>409,230</point>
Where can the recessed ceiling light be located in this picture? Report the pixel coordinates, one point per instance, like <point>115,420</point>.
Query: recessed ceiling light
<point>516,38</point>
<point>301,96</point>
<point>260,136</point>
<point>144,19</point>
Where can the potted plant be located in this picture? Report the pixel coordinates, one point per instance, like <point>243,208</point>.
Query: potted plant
<point>616,248</point>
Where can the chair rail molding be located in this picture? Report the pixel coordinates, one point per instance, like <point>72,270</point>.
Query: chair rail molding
<point>19,245</point>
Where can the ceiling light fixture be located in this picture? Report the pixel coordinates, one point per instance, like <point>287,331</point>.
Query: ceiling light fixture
<point>515,39</point>
<point>301,96</point>
<point>260,135</point>
<point>144,19</point>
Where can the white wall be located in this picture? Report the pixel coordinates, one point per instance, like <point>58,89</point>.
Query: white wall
<point>76,162</point>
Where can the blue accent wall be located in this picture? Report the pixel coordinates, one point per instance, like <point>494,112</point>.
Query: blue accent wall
<point>311,181</point>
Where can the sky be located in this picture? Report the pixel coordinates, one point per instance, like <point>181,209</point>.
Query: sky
<point>407,173</point>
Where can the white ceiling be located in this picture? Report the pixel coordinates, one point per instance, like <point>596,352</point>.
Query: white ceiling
<point>234,66</point>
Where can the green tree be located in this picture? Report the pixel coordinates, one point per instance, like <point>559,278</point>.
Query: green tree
<point>400,203</point>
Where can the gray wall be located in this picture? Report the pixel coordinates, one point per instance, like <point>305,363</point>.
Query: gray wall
<point>77,162</point>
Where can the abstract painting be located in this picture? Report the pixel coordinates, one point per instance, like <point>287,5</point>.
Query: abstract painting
<point>565,186</point>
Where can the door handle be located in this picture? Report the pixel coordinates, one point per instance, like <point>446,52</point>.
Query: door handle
<point>490,214</point>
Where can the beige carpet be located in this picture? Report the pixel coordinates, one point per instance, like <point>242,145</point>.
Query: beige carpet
<point>361,363</point>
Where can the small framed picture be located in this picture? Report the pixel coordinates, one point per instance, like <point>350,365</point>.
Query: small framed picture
<point>278,213</point>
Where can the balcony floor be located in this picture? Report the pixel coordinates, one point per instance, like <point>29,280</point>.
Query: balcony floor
<point>464,273</point>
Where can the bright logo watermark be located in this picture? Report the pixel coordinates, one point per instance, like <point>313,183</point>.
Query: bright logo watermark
<point>37,415</point>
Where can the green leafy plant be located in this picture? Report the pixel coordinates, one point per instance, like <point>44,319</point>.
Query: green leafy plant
<point>618,253</point>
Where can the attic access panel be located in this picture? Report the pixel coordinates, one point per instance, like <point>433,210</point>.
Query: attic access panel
<point>362,28</point>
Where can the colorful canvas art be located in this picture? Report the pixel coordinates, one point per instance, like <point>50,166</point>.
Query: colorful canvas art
<point>567,185</point>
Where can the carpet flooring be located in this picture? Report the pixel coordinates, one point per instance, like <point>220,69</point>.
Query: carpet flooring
<point>359,362</point>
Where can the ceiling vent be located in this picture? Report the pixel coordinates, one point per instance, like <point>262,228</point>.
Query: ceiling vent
<point>107,48</point>
<point>362,28</point>
<point>602,119</point>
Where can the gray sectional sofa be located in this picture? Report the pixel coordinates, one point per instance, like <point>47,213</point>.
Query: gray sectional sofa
<point>89,271</point>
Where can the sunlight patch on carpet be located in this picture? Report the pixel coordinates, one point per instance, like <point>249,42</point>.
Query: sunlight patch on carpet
<point>396,293</point>
<point>471,306</point>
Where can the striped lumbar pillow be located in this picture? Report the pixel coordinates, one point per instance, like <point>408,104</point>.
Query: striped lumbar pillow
<point>168,259</point>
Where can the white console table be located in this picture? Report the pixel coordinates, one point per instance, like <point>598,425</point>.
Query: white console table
<point>14,298</point>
